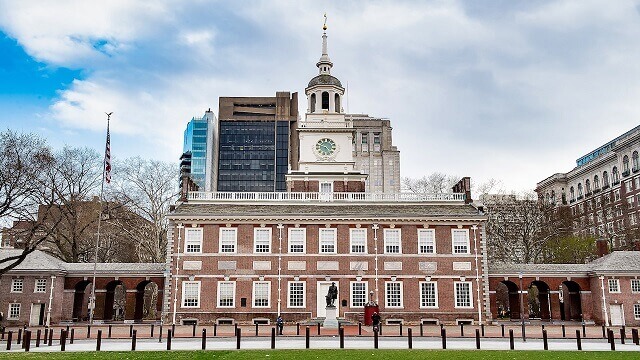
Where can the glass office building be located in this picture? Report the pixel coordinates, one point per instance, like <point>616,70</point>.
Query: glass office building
<point>195,142</point>
<point>253,155</point>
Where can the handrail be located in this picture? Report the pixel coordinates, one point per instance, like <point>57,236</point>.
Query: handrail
<point>347,197</point>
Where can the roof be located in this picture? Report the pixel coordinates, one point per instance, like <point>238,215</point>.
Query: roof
<point>37,260</point>
<point>324,79</point>
<point>329,211</point>
<point>116,267</point>
<point>616,262</point>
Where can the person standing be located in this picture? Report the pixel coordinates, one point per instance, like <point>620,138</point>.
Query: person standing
<point>280,324</point>
<point>375,320</point>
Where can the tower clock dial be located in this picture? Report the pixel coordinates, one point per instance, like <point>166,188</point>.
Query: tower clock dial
<point>326,147</point>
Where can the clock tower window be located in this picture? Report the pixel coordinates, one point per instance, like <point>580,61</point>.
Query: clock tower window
<point>325,100</point>
<point>313,103</point>
<point>337,103</point>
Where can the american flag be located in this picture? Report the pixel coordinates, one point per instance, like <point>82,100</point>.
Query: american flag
<point>107,158</point>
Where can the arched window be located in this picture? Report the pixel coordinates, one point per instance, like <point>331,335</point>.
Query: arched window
<point>587,186</point>
<point>579,190</point>
<point>596,183</point>
<point>313,103</point>
<point>325,100</point>
<point>615,177</point>
<point>605,179</point>
<point>625,164</point>
<point>572,193</point>
<point>337,103</point>
<point>634,158</point>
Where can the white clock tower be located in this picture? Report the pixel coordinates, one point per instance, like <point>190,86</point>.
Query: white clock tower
<point>325,137</point>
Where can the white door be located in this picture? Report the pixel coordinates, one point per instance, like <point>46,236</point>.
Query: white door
<point>617,315</point>
<point>321,301</point>
<point>326,191</point>
<point>34,318</point>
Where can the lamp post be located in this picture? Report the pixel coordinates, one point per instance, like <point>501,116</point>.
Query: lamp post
<point>375,241</point>
<point>604,301</point>
<point>524,338</point>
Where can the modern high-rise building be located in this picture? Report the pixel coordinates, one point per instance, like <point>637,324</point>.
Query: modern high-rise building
<point>255,142</point>
<point>198,142</point>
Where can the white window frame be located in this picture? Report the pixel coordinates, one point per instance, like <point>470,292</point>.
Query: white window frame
<point>297,242</point>
<point>387,240</point>
<point>635,286</point>
<point>454,244</point>
<point>40,286</point>
<point>258,241</point>
<point>387,299</point>
<point>17,285</point>
<point>426,238</point>
<point>456,295</point>
<point>353,296</point>
<point>187,285</point>
<point>303,294</point>
<point>322,241</point>
<point>228,242</point>
<point>636,311</point>
<point>10,313</point>
<point>193,239</point>
<point>357,240</point>
<point>261,298</point>
<point>225,284</point>
<point>422,295</point>
<point>614,286</point>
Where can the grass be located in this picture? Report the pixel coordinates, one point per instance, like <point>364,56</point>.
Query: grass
<point>326,355</point>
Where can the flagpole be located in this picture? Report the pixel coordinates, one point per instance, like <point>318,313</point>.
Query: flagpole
<point>107,152</point>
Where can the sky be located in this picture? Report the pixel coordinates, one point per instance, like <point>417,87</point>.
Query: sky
<point>503,89</point>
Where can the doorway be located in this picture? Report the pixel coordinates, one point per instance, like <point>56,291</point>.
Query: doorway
<point>322,288</point>
<point>37,315</point>
<point>617,315</point>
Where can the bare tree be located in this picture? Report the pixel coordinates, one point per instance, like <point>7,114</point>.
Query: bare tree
<point>430,184</point>
<point>148,188</point>
<point>23,160</point>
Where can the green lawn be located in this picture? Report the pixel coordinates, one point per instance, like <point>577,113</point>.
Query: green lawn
<point>327,355</point>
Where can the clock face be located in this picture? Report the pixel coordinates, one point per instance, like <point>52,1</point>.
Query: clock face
<point>325,147</point>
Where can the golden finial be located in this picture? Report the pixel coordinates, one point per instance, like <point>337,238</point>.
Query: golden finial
<point>324,27</point>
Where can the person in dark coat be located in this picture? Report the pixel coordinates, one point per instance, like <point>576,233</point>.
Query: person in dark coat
<point>375,320</point>
<point>280,324</point>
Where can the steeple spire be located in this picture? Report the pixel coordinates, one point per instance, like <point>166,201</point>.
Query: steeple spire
<point>324,64</point>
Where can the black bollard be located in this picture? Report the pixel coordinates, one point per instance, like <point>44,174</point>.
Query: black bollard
<point>109,333</point>
<point>73,335</point>
<point>612,341</point>
<point>50,337</point>
<point>134,335</point>
<point>443,334</point>
<point>257,329</point>
<point>622,335</point>
<point>151,332</point>
<point>318,328</point>
<point>204,339</point>
<point>400,329</point>
<point>46,335</point>
<point>359,328</point>
<point>9,336</point>
<point>193,330</point>
<point>160,334</point>
<point>477,339</point>
<point>544,340</point>
<point>38,334</point>
<point>634,336</point>
<point>215,329</point>
<point>604,332</point>
<point>297,328</point>
<point>409,338</point>
<point>306,335</point>
<point>341,334</point>
<point>63,340</point>
<point>578,340</point>
<point>61,332</point>
<point>380,328</point>
<point>130,330</point>
<point>238,337</point>
<point>375,338</point>
<point>173,329</point>
<point>273,337</point>
<point>421,330</point>
<point>1,332</point>
<point>235,328</point>
<point>99,340</point>
<point>584,330</point>
<point>542,327</point>
<point>482,327</point>
<point>169,339</point>
<point>27,340</point>
<point>461,329</point>
<point>19,338</point>
<point>67,329</point>
<point>511,344</point>
<point>502,325</point>
<point>563,331</point>
<point>88,331</point>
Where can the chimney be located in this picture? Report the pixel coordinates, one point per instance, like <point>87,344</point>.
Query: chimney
<point>602,247</point>
<point>464,186</point>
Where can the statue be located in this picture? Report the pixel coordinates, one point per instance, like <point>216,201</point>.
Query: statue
<point>332,295</point>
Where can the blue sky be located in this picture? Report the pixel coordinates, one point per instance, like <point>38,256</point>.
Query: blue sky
<point>512,90</point>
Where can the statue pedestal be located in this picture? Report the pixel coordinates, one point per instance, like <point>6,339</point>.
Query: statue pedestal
<point>331,321</point>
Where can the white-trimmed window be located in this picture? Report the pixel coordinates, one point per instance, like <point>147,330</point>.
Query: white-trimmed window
<point>17,285</point>
<point>358,294</point>
<point>636,311</point>
<point>190,294</point>
<point>428,294</point>
<point>462,294</point>
<point>635,285</point>
<point>193,240</point>
<point>393,294</point>
<point>358,241</point>
<point>614,285</point>
<point>392,241</point>
<point>14,311</point>
<point>41,286</point>
<point>262,240</point>
<point>261,294</point>
<point>296,294</point>
<point>228,240</point>
<point>426,241</point>
<point>226,294</point>
<point>297,240</point>
<point>460,241</point>
<point>327,241</point>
